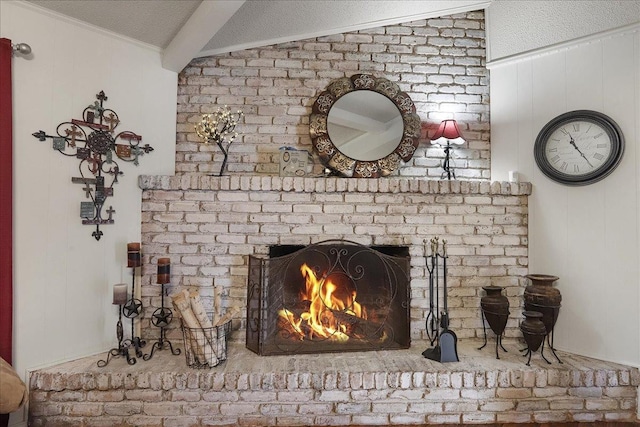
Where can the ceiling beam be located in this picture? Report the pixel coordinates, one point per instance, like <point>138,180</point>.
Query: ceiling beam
<point>203,24</point>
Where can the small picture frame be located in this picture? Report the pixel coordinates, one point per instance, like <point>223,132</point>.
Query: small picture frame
<point>293,162</point>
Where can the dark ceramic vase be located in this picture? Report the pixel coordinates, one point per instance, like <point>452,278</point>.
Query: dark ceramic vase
<point>495,308</point>
<point>542,297</point>
<point>533,330</point>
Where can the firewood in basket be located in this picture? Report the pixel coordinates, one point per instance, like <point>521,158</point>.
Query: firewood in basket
<point>230,314</point>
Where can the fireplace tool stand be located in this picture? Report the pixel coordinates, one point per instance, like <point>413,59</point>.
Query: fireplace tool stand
<point>437,322</point>
<point>162,316</point>
<point>122,349</point>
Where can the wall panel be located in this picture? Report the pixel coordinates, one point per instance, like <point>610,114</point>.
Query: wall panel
<point>588,236</point>
<point>63,277</point>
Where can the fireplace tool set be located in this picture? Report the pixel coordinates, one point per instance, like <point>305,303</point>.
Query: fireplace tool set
<point>131,308</point>
<point>443,341</point>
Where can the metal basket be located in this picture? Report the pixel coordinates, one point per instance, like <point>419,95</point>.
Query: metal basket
<point>206,347</point>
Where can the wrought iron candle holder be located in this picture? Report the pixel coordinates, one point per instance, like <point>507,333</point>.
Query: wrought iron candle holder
<point>92,141</point>
<point>133,307</point>
<point>119,298</point>
<point>162,316</point>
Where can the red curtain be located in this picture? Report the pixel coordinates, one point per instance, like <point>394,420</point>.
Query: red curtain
<point>6,203</point>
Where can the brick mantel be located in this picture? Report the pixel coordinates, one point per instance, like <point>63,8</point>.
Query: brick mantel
<point>330,184</point>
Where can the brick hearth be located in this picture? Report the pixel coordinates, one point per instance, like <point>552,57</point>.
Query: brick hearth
<point>370,388</point>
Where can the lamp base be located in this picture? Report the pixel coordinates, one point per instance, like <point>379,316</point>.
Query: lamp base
<point>446,164</point>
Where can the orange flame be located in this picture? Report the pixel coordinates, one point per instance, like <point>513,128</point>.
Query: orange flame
<point>325,298</point>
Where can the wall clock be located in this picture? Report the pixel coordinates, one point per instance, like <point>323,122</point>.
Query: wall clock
<point>579,147</point>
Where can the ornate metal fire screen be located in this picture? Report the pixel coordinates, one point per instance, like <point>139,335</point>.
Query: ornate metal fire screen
<point>332,296</point>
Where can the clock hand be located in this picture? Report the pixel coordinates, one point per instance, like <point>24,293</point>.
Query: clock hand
<point>572,142</point>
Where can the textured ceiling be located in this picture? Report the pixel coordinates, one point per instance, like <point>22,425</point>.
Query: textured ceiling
<point>185,29</point>
<point>277,21</point>
<point>152,22</point>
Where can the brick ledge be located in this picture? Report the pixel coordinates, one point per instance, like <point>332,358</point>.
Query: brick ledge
<point>370,388</point>
<point>330,184</point>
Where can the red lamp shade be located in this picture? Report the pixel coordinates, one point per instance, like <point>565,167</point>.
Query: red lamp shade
<point>448,132</point>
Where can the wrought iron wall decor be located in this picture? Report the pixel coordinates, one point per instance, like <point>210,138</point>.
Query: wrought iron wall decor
<point>92,141</point>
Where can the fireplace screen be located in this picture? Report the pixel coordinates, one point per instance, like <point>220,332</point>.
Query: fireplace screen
<point>332,296</point>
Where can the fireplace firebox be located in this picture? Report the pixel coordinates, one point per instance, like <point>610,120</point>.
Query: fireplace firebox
<point>332,296</point>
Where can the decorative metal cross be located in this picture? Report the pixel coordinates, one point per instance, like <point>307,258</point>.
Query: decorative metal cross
<point>95,131</point>
<point>73,133</point>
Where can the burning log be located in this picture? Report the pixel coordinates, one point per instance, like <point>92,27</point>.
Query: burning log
<point>290,328</point>
<point>358,327</point>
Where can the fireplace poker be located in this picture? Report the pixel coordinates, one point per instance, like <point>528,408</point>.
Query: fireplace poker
<point>436,248</point>
<point>431,322</point>
<point>444,316</point>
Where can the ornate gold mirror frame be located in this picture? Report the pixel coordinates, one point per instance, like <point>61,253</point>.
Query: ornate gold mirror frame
<point>329,153</point>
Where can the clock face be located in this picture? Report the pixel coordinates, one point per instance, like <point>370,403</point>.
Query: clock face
<point>579,147</point>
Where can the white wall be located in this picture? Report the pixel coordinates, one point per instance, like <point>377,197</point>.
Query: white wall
<point>63,278</point>
<point>525,25</point>
<point>588,236</point>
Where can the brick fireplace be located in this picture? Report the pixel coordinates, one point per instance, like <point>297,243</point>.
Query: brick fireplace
<point>210,226</point>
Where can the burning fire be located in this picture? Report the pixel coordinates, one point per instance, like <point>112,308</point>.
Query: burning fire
<point>326,300</point>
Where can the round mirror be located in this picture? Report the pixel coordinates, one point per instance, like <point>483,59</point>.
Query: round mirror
<point>364,126</point>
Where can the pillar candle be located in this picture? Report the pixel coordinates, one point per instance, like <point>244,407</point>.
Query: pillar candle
<point>120,293</point>
<point>133,255</point>
<point>164,270</point>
